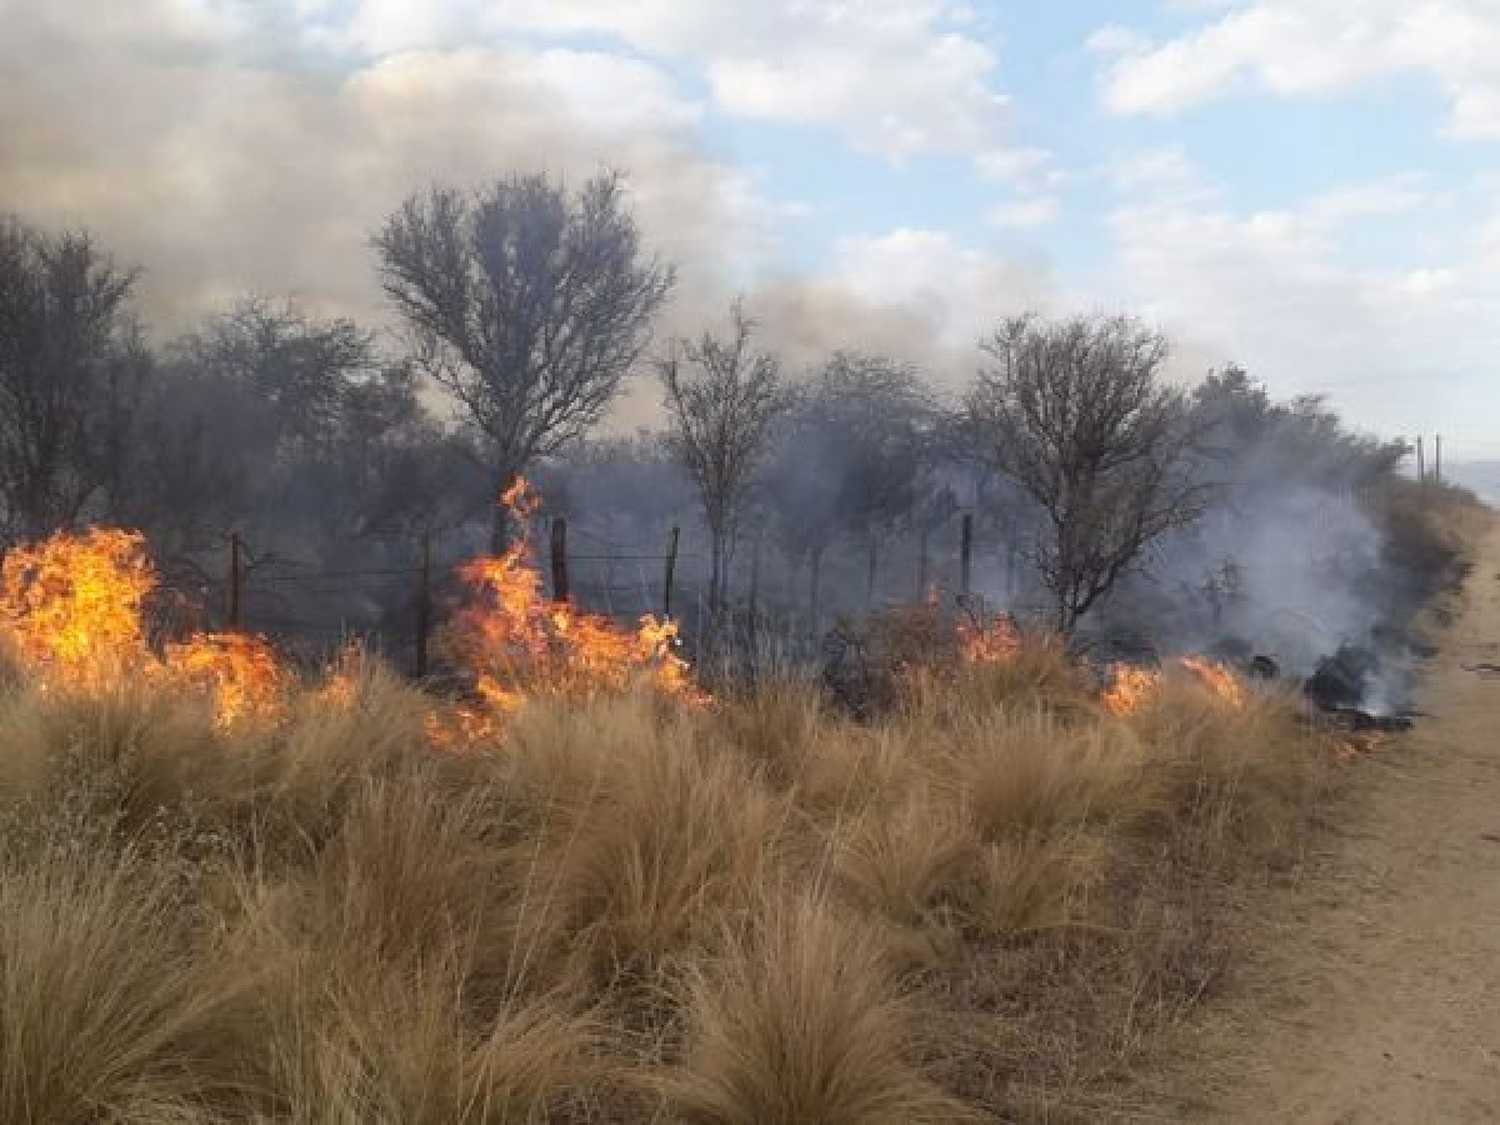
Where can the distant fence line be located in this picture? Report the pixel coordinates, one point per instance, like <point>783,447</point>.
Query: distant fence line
<point>398,606</point>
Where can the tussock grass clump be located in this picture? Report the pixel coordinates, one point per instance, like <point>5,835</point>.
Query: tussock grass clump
<point>647,838</point>
<point>106,1011</point>
<point>404,1048</point>
<point>800,1019</point>
<point>986,901</point>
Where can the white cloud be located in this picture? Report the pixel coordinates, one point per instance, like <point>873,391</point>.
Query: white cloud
<point>899,78</point>
<point>1026,214</point>
<point>1309,47</point>
<point>1394,342</point>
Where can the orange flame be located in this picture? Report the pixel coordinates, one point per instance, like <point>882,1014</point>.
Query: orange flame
<point>1130,688</point>
<point>238,670</point>
<point>71,606</point>
<point>519,644</point>
<point>996,643</point>
<point>1217,678</point>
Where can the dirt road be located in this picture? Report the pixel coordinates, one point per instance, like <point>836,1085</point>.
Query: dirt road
<point>1375,992</point>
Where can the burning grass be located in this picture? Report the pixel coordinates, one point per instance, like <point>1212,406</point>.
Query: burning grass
<point>616,903</point>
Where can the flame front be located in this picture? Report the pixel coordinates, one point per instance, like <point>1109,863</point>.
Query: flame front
<point>72,610</point>
<point>72,607</point>
<point>519,644</point>
<point>1131,687</point>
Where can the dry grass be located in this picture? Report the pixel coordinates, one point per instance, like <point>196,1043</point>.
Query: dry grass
<point>988,903</point>
<point>801,1019</point>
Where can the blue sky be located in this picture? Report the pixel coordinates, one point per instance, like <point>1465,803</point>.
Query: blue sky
<point>1305,187</point>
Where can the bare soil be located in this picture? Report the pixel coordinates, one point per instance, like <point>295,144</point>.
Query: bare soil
<point>1374,991</point>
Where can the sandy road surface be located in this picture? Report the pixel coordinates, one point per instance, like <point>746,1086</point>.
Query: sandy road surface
<point>1375,992</point>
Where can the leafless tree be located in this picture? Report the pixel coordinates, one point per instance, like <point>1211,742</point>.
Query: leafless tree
<point>71,364</point>
<point>1076,414</point>
<point>723,397</point>
<point>527,304</point>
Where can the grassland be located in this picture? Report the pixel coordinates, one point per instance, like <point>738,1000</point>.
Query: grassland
<point>988,903</point>
<point>991,898</point>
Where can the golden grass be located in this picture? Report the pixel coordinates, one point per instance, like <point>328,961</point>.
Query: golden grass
<point>800,1018</point>
<point>986,904</point>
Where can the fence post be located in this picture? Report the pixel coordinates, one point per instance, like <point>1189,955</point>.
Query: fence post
<point>922,564</point>
<point>232,590</point>
<point>965,555</point>
<point>1421,462</point>
<point>753,611</point>
<point>671,569</point>
<point>424,605</point>
<point>1437,458</point>
<point>559,559</point>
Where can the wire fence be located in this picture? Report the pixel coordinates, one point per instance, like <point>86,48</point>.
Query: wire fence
<point>397,603</point>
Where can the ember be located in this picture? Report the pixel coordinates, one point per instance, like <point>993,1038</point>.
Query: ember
<point>996,643</point>
<point>1130,688</point>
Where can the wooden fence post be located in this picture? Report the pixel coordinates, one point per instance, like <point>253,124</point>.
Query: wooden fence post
<point>754,599</point>
<point>965,555</point>
<point>559,559</point>
<point>232,590</point>
<point>424,605</point>
<point>671,570</point>
<point>922,563</point>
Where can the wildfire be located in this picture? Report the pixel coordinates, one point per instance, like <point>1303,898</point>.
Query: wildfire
<point>996,643</point>
<point>1130,688</point>
<point>1217,678</point>
<point>71,605</point>
<point>72,609</point>
<point>239,670</point>
<point>518,643</point>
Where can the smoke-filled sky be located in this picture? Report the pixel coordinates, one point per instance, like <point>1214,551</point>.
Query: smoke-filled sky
<point>1310,188</point>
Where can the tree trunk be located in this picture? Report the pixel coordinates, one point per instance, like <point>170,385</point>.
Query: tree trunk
<point>716,574</point>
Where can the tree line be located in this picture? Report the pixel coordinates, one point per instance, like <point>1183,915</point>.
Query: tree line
<point>529,305</point>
